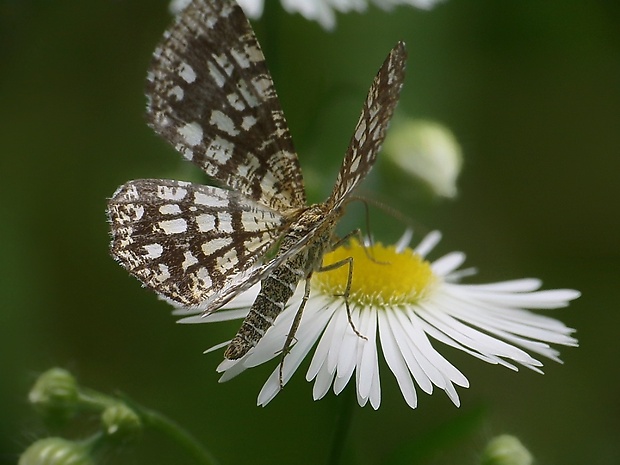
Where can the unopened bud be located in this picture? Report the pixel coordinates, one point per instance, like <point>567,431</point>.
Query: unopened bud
<point>57,451</point>
<point>428,151</point>
<point>506,450</point>
<point>121,422</point>
<point>55,394</point>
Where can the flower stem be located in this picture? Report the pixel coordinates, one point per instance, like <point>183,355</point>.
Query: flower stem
<point>343,425</point>
<point>176,433</point>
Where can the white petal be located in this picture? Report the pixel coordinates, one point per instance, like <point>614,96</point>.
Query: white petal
<point>449,341</point>
<point>457,275</point>
<point>269,390</point>
<point>322,351</point>
<point>404,241</point>
<point>347,356</point>
<point>176,6</point>
<point>452,394</point>
<point>516,321</point>
<point>318,359</point>
<point>375,392</point>
<point>316,10</point>
<point>225,315</point>
<point>341,328</point>
<point>362,401</point>
<point>422,4</point>
<point>550,299</point>
<point>216,347</point>
<point>418,350</point>
<point>395,361</point>
<point>428,243</point>
<point>520,322</point>
<point>230,369</point>
<point>449,371</point>
<point>345,6</point>
<point>322,382</point>
<point>439,317</point>
<point>367,359</point>
<point>448,263</point>
<point>307,336</point>
<point>515,285</point>
<point>340,382</point>
<point>252,8</point>
<point>311,326</point>
<point>245,299</point>
<point>400,329</point>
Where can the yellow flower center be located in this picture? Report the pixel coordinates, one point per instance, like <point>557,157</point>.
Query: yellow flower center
<point>381,275</point>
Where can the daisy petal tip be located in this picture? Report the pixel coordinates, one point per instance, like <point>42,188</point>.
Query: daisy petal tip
<point>570,294</point>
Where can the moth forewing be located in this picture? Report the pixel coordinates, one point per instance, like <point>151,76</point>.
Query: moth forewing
<point>210,95</point>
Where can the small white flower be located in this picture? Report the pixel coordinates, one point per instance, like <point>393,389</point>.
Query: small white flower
<point>405,303</point>
<point>428,151</point>
<point>321,11</point>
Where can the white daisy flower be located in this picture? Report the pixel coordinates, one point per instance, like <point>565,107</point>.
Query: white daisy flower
<point>406,304</point>
<point>321,11</point>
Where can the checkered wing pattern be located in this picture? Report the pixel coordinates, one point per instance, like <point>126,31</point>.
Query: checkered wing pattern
<point>372,125</point>
<point>211,96</point>
<point>187,241</point>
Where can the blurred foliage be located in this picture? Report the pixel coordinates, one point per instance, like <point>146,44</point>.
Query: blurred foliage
<point>530,90</point>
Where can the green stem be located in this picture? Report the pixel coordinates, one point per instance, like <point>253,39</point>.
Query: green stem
<point>343,425</point>
<point>97,401</point>
<point>176,433</point>
<point>93,400</point>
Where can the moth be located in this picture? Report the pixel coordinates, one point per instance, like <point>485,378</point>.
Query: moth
<point>210,95</point>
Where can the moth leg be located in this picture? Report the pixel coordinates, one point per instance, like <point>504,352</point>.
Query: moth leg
<point>290,337</point>
<point>332,266</point>
<point>357,233</point>
<point>341,240</point>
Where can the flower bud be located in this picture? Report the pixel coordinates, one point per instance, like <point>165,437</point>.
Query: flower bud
<point>55,394</point>
<point>505,450</point>
<point>57,451</point>
<point>428,151</point>
<point>121,422</point>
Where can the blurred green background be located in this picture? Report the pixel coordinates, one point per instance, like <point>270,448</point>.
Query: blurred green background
<point>531,89</point>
